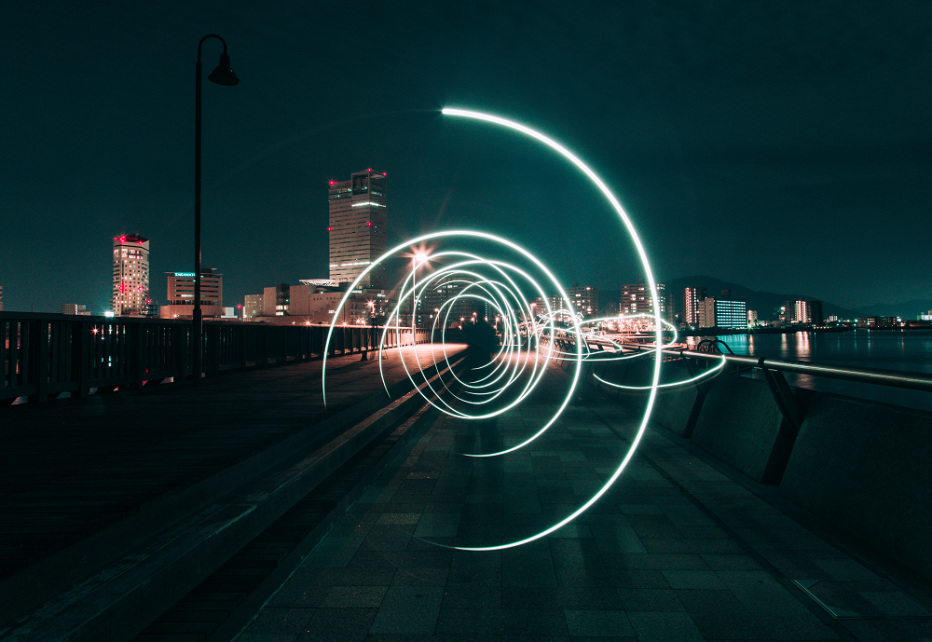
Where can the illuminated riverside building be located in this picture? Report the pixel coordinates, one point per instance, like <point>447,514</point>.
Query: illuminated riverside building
<point>585,300</point>
<point>74,309</point>
<point>636,299</point>
<point>689,305</point>
<point>441,298</point>
<point>808,312</point>
<point>358,228</point>
<point>276,300</point>
<point>181,295</point>
<point>582,300</point>
<point>130,275</point>
<point>877,322</point>
<point>252,306</point>
<point>718,313</point>
<point>309,303</point>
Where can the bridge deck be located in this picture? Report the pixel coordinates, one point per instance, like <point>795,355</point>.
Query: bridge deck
<point>73,468</point>
<point>681,548</point>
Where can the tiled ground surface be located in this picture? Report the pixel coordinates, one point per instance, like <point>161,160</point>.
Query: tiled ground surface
<point>71,469</point>
<point>675,551</point>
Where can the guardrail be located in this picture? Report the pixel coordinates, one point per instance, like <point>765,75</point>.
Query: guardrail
<point>43,355</point>
<point>893,378</point>
<point>774,369</point>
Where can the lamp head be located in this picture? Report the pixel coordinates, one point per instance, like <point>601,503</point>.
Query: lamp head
<point>223,74</point>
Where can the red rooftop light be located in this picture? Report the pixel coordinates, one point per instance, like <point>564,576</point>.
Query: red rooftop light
<point>329,229</point>
<point>368,222</point>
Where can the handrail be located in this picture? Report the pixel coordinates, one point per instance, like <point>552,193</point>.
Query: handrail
<point>892,378</point>
<point>43,355</point>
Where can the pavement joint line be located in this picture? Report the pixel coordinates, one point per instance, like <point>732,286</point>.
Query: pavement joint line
<point>184,541</point>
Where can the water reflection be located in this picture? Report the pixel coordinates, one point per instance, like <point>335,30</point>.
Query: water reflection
<point>907,351</point>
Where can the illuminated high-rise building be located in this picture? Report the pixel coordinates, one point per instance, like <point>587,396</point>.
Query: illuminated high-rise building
<point>719,313</point>
<point>636,299</point>
<point>582,299</point>
<point>130,275</point>
<point>808,312</point>
<point>689,304</point>
<point>358,227</point>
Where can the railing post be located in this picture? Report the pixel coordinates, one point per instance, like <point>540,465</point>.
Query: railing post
<point>81,353</point>
<point>179,350</point>
<point>37,371</point>
<point>213,338</point>
<point>242,345</point>
<point>138,361</point>
<point>786,400</point>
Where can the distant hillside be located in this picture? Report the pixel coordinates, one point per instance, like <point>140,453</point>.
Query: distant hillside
<point>766,303</point>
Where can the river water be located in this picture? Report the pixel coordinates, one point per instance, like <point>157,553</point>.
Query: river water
<point>907,351</point>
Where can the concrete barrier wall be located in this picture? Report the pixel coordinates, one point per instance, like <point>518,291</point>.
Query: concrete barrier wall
<point>862,466</point>
<point>867,468</point>
<point>675,406</point>
<point>741,424</point>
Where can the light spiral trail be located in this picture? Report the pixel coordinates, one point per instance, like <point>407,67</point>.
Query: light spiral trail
<point>528,341</point>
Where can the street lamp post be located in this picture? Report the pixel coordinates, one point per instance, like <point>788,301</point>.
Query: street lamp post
<point>222,75</point>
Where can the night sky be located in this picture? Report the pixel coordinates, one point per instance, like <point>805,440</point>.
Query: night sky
<point>786,146</point>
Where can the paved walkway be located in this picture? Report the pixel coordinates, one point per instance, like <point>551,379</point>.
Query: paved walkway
<point>681,549</point>
<point>73,469</point>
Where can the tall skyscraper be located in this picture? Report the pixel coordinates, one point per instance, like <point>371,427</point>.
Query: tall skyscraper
<point>130,275</point>
<point>358,228</point>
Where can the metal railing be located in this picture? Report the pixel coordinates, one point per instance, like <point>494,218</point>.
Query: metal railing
<point>892,378</point>
<point>45,355</point>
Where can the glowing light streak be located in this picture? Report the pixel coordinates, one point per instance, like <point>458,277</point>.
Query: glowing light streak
<point>653,289</point>
<point>535,332</point>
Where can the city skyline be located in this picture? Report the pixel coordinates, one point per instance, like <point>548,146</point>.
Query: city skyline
<point>786,149</point>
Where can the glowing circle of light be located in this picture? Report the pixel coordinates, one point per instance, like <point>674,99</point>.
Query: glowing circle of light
<point>412,291</point>
<point>653,290</point>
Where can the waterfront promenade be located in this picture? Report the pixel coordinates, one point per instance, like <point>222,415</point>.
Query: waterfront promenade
<point>85,482</point>
<point>683,547</point>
